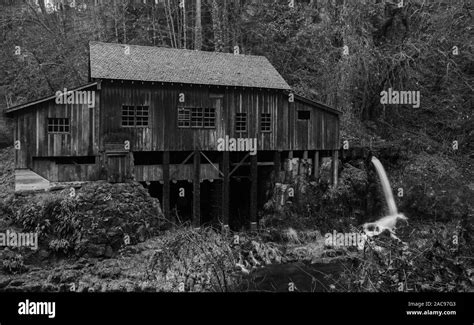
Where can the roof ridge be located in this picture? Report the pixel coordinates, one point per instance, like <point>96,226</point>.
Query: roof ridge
<point>179,49</point>
<point>164,64</point>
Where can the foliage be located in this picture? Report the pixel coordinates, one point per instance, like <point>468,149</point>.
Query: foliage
<point>335,209</point>
<point>196,259</point>
<point>100,215</point>
<point>60,245</point>
<point>437,257</point>
<point>433,188</point>
<point>13,264</point>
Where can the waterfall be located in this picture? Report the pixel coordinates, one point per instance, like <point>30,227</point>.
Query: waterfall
<point>387,190</point>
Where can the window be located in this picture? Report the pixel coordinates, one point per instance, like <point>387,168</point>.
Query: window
<point>266,122</point>
<point>184,117</point>
<point>128,116</point>
<point>75,160</point>
<point>58,125</point>
<point>304,115</point>
<point>141,115</point>
<point>196,117</point>
<point>134,116</point>
<point>209,118</point>
<point>240,122</point>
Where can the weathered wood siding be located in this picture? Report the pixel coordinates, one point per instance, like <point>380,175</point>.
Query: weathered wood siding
<point>65,172</point>
<point>31,128</point>
<point>97,131</point>
<point>320,132</point>
<point>287,133</point>
<point>177,172</point>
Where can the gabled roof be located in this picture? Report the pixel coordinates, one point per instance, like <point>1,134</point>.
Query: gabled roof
<point>28,104</point>
<point>317,104</point>
<point>160,64</point>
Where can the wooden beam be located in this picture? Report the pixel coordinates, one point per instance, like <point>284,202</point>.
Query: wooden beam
<point>166,185</point>
<point>277,165</point>
<point>303,164</point>
<point>210,162</point>
<point>260,163</point>
<point>334,168</point>
<point>289,171</point>
<point>253,192</point>
<point>197,190</point>
<point>183,163</point>
<point>240,163</point>
<point>225,187</point>
<point>316,165</point>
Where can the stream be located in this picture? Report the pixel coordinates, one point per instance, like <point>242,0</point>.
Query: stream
<point>299,276</point>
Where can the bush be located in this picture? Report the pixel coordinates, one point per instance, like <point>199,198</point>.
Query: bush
<point>59,246</point>
<point>199,260</point>
<point>320,206</point>
<point>433,188</point>
<point>432,260</point>
<point>95,221</point>
<point>14,264</point>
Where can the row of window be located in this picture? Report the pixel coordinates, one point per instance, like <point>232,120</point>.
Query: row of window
<point>191,117</point>
<point>196,117</point>
<point>188,117</point>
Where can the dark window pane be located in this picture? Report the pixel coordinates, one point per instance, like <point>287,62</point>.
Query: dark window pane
<point>197,117</point>
<point>265,122</point>
<point>241,122</point>
<point>304,115</point>
<point>184,117</point>
<point>58,125</point>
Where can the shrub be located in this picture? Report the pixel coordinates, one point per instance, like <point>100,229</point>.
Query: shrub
<point>431,261</point>
<point>14,264</point>
<point>433,188</point>
<point>60,245</point>
<point>201,260</point>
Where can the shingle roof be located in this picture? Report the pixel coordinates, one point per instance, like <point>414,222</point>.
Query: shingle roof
<point>147,63</point>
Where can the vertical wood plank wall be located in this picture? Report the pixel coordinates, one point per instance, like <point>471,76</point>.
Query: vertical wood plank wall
<point>91,128</point>
<point>287,132</point>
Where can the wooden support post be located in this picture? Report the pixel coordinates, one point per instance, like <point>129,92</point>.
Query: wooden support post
<point>316,165</point>
<point>253,192</point>
<point>334,167</point>
<point>166,185</point>
<point>197,190</point>
<point>277,165</point>
<point>289,170</point>
<point>225,188</point>
<point>303,170</point>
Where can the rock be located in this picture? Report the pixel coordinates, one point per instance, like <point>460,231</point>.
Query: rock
<point>82,287</point>
<point>68,276</point>
<point>108,252</point>
<point>95,250</point>
<point>43,254</point>
<point>4,282</point>
<point>16,283</point>
<point>141,232</point>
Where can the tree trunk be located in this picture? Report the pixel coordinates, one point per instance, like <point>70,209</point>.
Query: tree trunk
<point>198,27</point>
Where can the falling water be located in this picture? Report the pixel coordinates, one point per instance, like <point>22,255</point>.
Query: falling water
<point>387,190</point>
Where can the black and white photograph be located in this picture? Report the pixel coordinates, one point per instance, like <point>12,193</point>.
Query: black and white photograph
<point>237,159</point>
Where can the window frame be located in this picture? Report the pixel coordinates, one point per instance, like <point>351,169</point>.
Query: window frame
<point>140,114</point>
<point>305,113</point>
<point>196,117</point>
<point>62,122</point>
<point>241,118</point>
<point>266,122</point>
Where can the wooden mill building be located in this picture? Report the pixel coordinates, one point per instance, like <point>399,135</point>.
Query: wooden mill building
<point>202,130</point>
